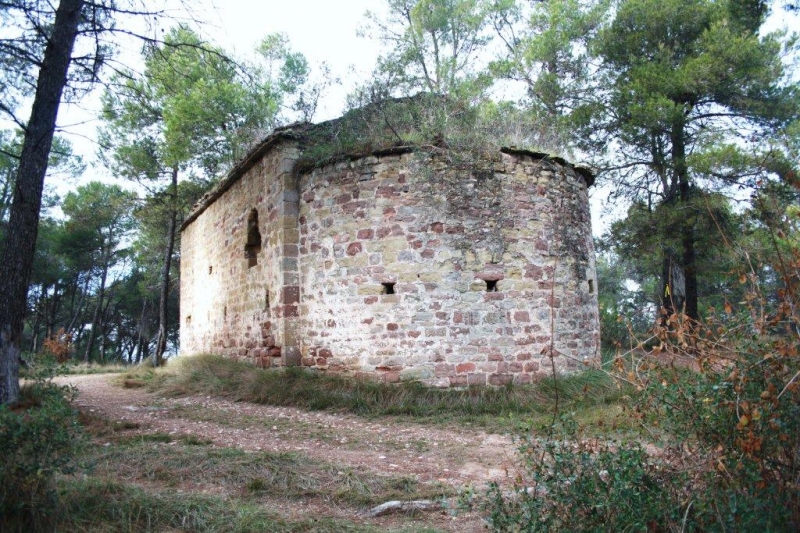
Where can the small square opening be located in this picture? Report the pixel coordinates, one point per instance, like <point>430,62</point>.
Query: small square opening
<point>388,287</point>
<point>491,285</point>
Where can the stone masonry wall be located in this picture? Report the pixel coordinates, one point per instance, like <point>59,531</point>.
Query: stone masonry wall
<point>396,266</point>
<point>486,268</point>
<point>237,300</point>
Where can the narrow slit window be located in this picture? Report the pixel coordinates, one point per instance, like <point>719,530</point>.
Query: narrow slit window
<point>253,244</point>
<point>591,286</point>
<point>491,285</point>
<point>388,287</point>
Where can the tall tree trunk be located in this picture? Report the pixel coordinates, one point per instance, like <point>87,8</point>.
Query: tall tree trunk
<point>37,319</point>
<point>103,327</point>
<point>142,336</point>
<point>101,293</point>
<point>23,226</point>
<point>688,258</point>
<point>76,311</point>
<point>161,342</point>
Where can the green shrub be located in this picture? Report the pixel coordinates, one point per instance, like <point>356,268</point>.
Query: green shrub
<point>571,483</point>
<point>38,438</point>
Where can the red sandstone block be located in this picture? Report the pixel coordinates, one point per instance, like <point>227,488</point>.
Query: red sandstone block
<point>493,296</point>
<point>458,317</point>
<point>523,356</point>
<point>369,300</point>
<point>290,294</point>
<point>437,227</point>
<point>275,352</point>
<point>494,355</point>
<point>465,367</point>
<point>428,253</point>
<point>515,367</point>
<point>392,376</point>
<point>308,361</point>
<point>392,326</point>
<point>533,272</point>
<point>522,379</point>
<point>522,316</point>
<point>291,311</point>
<point>458,381</point>
<point>499,380</point>
<point>414,334</point>
<point>352,207</point>
<point>487,367</point>
<point>325,353</point>
<point>389,212</point>
<point>476,379</point>
<point>532,366</point>
<point>366,234</point>
<point>443,369</point>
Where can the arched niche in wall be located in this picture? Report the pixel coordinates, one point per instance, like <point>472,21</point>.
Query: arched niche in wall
<point>253,245</point>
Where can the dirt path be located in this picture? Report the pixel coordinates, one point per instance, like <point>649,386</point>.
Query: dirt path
<point>454,457</point>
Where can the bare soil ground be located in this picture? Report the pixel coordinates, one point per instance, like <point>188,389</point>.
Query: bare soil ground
<point>453,457</point>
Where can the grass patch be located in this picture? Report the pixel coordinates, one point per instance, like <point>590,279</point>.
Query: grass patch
<point>165,482</point>
<point>590,391</point>
<point>37,366</point>
<point>148,459</point>
<point>96,505</point>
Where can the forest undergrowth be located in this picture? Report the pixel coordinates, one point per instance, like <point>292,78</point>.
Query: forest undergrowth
<point>720,402</point>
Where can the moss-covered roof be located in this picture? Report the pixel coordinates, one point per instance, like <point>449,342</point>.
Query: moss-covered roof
<point>393,126</point>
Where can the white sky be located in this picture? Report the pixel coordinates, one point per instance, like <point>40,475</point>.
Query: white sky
<point>323,30</point>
